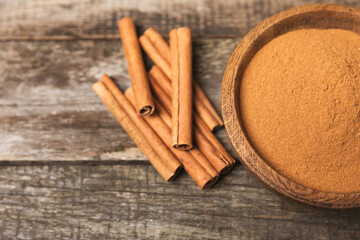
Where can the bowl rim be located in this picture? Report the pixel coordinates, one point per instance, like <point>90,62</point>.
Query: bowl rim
<point>246,153</point>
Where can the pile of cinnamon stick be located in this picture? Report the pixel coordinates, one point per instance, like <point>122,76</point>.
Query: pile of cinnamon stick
<point>165,112</point>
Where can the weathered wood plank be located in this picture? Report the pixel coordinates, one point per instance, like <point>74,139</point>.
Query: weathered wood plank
<point>49,111</point>
<point>94,19</point>
<point>132,201</point>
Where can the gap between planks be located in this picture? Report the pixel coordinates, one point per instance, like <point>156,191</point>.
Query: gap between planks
<point>95,37</point>
<point>24,162</point>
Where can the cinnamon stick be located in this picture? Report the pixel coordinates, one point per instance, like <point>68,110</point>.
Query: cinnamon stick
<point>159,84</point>
<point>211,153</point>
<point>162,95</point>
<point>182,97</point>
<point>150,47</point>
<point>212,139</point>
<point>159,43</point>
<point>158,51</point>
<point>144,103</point>
<point>199,105</point>
<point>193,160</point>
<point>167,171</point>
<point>153,139</point>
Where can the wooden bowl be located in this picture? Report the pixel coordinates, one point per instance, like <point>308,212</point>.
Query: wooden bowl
<point>320,16</point>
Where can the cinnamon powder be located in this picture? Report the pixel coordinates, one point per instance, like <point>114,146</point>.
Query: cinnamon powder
<point>299,101</point>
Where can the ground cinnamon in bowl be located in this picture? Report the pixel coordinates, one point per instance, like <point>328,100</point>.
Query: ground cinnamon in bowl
<point>299,103</point>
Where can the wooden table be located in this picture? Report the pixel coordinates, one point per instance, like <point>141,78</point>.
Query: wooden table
<point>70,172</point>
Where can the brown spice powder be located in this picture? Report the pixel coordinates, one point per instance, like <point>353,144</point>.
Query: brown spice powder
<point>299,100</point>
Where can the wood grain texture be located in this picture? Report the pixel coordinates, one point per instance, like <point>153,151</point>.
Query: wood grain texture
<point>96,19</point>
<point>322,16</point>
<point>49,112</point>
<point>133,202</point>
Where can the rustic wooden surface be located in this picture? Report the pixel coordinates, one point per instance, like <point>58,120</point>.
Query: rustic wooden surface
<point>96,19</point>
<point>69,172</point>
